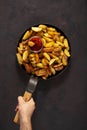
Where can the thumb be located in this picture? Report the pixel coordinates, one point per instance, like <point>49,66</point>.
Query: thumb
<point>20,100</point>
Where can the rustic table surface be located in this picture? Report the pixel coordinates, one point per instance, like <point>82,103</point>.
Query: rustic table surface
<point>61,103</point>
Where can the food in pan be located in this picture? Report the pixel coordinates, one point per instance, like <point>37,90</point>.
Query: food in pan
<point>43,51</point>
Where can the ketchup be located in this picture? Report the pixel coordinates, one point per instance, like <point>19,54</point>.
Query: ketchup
<point>38,44</point>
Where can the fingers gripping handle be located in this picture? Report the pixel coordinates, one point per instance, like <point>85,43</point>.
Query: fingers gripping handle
<point>27,96</point>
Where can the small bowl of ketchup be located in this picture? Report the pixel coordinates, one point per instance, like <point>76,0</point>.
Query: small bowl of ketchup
<point>38,44</point>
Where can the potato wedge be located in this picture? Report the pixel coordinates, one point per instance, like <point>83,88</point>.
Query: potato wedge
<point>65,60</point>
<point>42,26</point>
<point>48,49</point>
<point>51,29</point>
<point>36,29</point>
<point>40,72</point>
<point>27,35</point>
<point>31,44</point>
<point>52,61</point>
<point>58,68</point>
<point>28,68</point>
<point>52,70</point>
<point>47,35</point>
<point>20,50</point>
<point>37,58</point>
<point>53,56</point>
<point>48,39</point>
<point>19,58</point>
<point>62,39</point>
<point>67,52</point>
<point>40,65</point>
<point>46,56</point>
<point>66,43</point>
<point>45,62</point>
<point>49,44</point>
<point>25,55</point>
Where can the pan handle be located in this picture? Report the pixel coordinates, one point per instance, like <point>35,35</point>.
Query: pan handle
<point>27,96</point>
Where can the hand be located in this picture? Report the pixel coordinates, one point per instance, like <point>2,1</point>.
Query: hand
<point>26,109</point>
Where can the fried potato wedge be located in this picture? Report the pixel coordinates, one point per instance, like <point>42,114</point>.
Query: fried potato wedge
<point>28,68</point>
<point>19,58</point>
<point>27,35</point>
<point>46,56</point>
<point>36,29</point>
<point>42,26</point>
<point>40,65</point>
<point>52,70</point>
<point>45,62</point>
<point>65,60</point>
<point>25,55</point>
<point>48,49</point>
<point>67,52</point>
<point>40,72</point>
<point>52,61</point>
<point>31,44</point>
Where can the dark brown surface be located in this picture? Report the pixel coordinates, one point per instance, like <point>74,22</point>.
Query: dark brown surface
<point>61,103</point>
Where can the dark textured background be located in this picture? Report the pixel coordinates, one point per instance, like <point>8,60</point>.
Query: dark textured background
<point>61,103</point>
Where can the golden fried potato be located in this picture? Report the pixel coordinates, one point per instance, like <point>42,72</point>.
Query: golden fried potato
<point>27,35</point>
<point>19,58</point>
<point>61,39</point>
<point>44,41</point>
<point>40,65</point>
<point>65,60</point>
<point>31,44</point>
<point>52,61</point>
<point>48,39</point>
<point>56,37</point>
<point>28,68</point>
<point>37,58</point>
<point>60,43</point>
<point>36,29</point>
<point>67,52</point>
<point>45,62</point>
<point>48,49</point>
<point>52,70</point>
<point>49,44</point>
<point>25,55</point>
<point>42,26</point>
<point>40,72</point>
<point>47,35</point>
<point>20,50</point>
<point>53,56</point>
<point>46,56</point>
<point>51,29</point>
<point>58,68</point>
<point>66,43</point>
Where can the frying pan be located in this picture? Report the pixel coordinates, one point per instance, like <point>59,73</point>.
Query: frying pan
<point>33,80</point>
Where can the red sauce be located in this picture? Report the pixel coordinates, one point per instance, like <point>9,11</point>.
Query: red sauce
<point>38,43</point>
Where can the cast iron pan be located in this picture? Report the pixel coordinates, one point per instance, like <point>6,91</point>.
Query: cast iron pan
<point>33,80</point>
<point>58,72</point>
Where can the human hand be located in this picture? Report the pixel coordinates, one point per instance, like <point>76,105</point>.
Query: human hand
<point>26,109</point>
